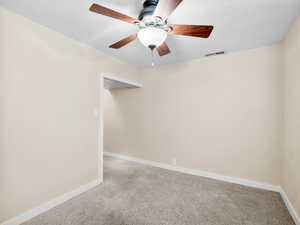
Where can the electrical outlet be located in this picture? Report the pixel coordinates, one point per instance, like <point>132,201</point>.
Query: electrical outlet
<point>95,112</point>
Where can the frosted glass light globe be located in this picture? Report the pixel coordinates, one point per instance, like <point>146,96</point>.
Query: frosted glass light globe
<point>152,36</point>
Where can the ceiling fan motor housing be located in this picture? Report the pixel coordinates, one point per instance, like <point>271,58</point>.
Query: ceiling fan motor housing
<point>148,10</point>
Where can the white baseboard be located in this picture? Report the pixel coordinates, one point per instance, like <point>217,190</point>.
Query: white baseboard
<point>50,204</point>
<point>215,176</point>
<point>290,207</point>
<point>244,182</point>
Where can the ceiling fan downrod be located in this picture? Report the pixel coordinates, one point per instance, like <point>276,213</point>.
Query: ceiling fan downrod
<point>149,7</point>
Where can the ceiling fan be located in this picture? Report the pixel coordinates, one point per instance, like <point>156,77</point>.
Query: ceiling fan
<point>153,24</point>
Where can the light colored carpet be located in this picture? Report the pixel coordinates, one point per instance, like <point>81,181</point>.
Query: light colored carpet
<point>133,194</point>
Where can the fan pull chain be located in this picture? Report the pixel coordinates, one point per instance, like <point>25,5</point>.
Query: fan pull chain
<point>152,47</point>
<point>152,53</point>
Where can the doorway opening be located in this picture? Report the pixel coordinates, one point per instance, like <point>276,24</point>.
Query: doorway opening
<point>107,84</point>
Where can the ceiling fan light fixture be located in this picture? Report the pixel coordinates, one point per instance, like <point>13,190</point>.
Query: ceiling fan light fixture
<point>152,36</point>
<point>153,24</point>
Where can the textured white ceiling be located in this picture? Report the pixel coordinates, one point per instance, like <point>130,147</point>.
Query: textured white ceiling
<point>239,25</point>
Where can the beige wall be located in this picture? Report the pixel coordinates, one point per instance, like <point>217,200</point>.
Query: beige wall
<point>291,174</point>
<point>220,114</point>
<point>47,98</point>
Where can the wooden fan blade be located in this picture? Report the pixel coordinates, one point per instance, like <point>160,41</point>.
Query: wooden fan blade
<point>123,42</point>
<point>165,8</point>
<point>163,49</point>
<point>111,13</point>
<point>192,30</point>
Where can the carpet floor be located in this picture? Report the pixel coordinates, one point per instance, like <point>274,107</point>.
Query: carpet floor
<point>134,194</point>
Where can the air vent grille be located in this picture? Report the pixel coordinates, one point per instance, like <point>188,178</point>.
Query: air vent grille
<point>215,53</point>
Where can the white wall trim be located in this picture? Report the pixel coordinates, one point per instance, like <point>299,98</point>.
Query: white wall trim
<point>99,113</point>
<point>215,176</point>
<point>50,204</point>
<point>244,182</point>
<point>290,207</point>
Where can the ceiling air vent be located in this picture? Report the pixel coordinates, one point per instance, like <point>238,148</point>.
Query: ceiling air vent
<point>215,53</point>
